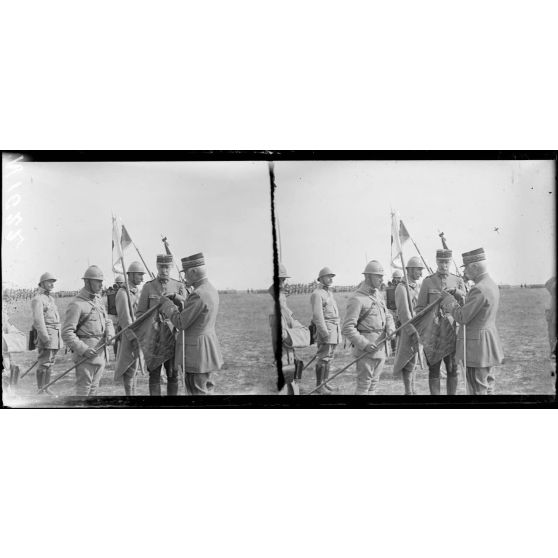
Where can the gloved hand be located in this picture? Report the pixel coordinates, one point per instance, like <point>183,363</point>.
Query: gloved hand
<point>371,348</point>
<point>456,294</point>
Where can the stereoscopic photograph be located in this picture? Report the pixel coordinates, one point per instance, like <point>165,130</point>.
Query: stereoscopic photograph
<point>152,282</point>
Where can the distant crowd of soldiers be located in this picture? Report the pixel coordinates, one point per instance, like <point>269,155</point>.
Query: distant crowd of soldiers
<point>463,328</point>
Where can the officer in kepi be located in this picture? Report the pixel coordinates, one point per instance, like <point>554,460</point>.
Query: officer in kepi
<point>128,360</point>
<point>366,325</point>
<point>202,356</point>
<point>86,328</point>
<point>325,316</point>
<point>483,349</point>
<point>431,289</point>
<point>46,321</point>
<point>163,285</point>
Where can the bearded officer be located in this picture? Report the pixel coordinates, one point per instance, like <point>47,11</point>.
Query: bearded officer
<point>325,316</point>
<point>202,355</point>
<point>86,327</point>
<point>367,320</point>
<point>128,355</point>
<point>408,346</point>
<point>431,289</point>
<point>483,348</point>
<point>46,321</point>
<point>163,285</point>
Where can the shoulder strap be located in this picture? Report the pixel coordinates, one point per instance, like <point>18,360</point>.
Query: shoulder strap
<point>83,320</point>
<point>365,315</point>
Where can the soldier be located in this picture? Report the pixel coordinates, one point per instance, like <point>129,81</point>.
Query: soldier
<point>46,321</point>
<point>325,316</point>
<point>163,285</point>
<point>128,360</point>
<point>396,278</point>
<point>390,301</point>
<point>111,307</point>
<point>431,289</point>
<point>86,327</point>
<point>478,314</point>
<point>408,345</point>
<point>202,356</point>
<point>550,314</point>
<point>366,320</point>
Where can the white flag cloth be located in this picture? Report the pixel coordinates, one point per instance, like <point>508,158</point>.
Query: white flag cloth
<point>399,235</point>
<point>120,241</point>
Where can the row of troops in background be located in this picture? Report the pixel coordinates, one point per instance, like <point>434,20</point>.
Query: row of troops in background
<point>185,325</point>
<point>368,325</point>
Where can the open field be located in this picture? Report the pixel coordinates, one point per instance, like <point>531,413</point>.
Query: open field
<point>243,330</point>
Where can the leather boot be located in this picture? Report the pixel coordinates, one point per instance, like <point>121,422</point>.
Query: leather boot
<point>14,374</point>
<point>154,387</point>
<point>46,380</point>
<point>326,376</point>
<point>407,382</point>
<point>172,386</point>
<point>40,378</point>
<point>434,384</point>
<point>319,380</point>
<point>451,384</point>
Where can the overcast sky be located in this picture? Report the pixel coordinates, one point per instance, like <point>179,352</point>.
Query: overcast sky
<point>334,213</point>
<point>337,213</point>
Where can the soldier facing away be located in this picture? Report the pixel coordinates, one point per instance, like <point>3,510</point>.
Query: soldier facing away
<point>128,362</point>
<point>483,349</point>
<point>202,356</point>
<point>163,285</point>
<point>325,316</point>
<point>366,321</point>
<point>87,327</point>
<point>46,321</point>
<point>431,289</point>
<point>408,345</point>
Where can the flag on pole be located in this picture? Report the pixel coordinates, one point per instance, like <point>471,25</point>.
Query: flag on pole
<point>120,241</point>
<point>399,235</point>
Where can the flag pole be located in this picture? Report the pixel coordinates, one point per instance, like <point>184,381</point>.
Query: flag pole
<point>421,257</point>
<point>386,338</point>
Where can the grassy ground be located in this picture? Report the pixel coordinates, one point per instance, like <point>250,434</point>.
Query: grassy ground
<point>243,331</point>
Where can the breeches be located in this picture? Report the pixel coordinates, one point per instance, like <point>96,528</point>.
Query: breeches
<point>172,379</point>
<point>369,371</point>
<point>480,381</point>
<point>88,377</point>
<point>451,367</point>
<point>199,384</point>
<point>46,358</point>
<point>325,353</point>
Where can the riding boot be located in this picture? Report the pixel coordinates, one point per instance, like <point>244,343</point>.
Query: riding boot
<point>326,376</point>
<point>319,380</point>
<point>154,386</point>
<point>40,378</point>
<point>14,374</point>
<point>172,386</point>
<point>407,382</point>
<point>434,384</point>
<point>451,384</point>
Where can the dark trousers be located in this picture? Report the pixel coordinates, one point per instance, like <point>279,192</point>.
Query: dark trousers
<point>172,379</point>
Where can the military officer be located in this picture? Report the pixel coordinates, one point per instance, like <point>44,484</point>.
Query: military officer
<point>483,348</point>
<point>408,346</point>
<point>325,316</point>
<point>163,285</point>
<point>46,321</point>
<point>431,289</point>
<point>202,356</point>
<point>366,321</point>
<point>128,355</point>
<point>87,327</point>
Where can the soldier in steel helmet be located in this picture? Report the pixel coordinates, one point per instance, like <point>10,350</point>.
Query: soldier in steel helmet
<point>367,322</point>
<point>163,285</point>
<point>432,288</point>
<point>408,346</point>
<point>325,316</point>
<point>202,353</point>
<point>127,363</point>
<point>396,277</point>
<point>46,322</point>
<point>87,327</point>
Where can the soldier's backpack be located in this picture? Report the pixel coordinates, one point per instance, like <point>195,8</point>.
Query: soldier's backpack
<point>390,298</point>
<point>111,302</point>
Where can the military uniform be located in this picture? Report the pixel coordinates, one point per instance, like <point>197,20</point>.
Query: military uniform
<point>325,316</point>
<point>46,320</point>
<point>149,297</point>
<point>127,363</point>
<point>367,318</point>
<point>202,356</point>
<point>431,288</point>
<point>478,314</point>
<point>86,326</point>
<point>407,344</point>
